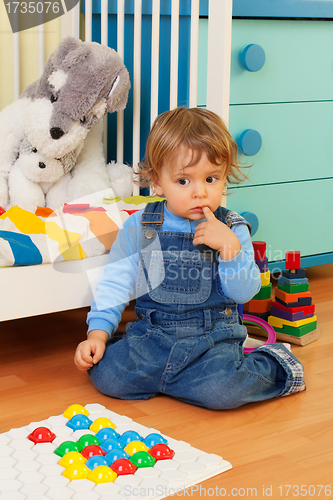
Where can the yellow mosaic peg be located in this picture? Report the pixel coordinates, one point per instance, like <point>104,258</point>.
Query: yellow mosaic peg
<point>135,446</point>
<point>72,457</point>
<point>75,410</point>
<point>76,471</point>
<point>102,474</point>
<point>101,423</point>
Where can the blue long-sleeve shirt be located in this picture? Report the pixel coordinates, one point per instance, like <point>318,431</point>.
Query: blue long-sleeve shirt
<point>240,276</point>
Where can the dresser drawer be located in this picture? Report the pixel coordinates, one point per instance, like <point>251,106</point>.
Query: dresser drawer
<point>298,64</point>
<point>283,8</point>
<point>292,216</point>
<point>296,140</point>
<point>298,61</point>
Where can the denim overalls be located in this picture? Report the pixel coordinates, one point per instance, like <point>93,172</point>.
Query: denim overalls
<point>187,341</point>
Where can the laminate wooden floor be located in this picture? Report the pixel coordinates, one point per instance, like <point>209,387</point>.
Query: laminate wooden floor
<point>286,441</point>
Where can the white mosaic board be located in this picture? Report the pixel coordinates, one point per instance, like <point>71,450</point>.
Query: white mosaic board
<point>31,471</point>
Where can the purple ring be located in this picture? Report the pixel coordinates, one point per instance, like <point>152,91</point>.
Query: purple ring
<point>266,326</point>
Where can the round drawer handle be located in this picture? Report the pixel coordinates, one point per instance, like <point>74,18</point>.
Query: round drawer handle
<point>253,220</point>
<point>253,57</point>
<point>249,142</point>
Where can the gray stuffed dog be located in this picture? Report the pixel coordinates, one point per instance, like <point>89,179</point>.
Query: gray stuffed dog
<point>61,114</point>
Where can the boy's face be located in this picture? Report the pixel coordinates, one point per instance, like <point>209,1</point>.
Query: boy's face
<point>189,189</point>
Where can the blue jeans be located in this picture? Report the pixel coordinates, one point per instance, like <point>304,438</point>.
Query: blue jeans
<point>208,370</point>
<point>187,342</point>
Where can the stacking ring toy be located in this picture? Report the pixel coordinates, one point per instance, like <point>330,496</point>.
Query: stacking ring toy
<point>255,321</point>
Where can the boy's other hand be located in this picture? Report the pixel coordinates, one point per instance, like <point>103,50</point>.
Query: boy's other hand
<point>90,351</point>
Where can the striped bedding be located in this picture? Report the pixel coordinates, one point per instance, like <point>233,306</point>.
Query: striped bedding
<point>75,231</point>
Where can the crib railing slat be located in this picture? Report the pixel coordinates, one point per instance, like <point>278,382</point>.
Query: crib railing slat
<point>16,65</point>
<point>88,20</point>
<point>174,54</point>
<point>70,22</point>
<point>121,52</point>
<point>136,85</point>
<point>104,41</point>
<point>193,99</point>
<point>104,22</point>
<point>219,42</point>
<point>155,47</point>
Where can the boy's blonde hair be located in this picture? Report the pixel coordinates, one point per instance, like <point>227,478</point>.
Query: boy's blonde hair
<point>198,129</point>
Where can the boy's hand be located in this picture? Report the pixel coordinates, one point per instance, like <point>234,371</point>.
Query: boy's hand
<point>90,351</point>
<point>217,236</point>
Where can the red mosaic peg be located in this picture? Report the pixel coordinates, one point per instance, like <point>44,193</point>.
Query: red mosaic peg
<point>161,452</point>
<point>123,467</point>
<point>92,450</point>
<point>42,435</point>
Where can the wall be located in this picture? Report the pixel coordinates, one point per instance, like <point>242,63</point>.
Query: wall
<point>28,54</point>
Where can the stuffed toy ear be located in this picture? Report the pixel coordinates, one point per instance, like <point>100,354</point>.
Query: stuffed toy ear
<point>69,161</point>
<point>70,52</point>
<point>117,98</point>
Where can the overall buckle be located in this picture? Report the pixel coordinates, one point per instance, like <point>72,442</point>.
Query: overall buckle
<point>149,233</point>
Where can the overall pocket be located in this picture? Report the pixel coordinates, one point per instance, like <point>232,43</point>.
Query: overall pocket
<point>180,277</point>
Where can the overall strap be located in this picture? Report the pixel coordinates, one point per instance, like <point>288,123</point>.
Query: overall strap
<point>152,218</point>
<point>231,218</point>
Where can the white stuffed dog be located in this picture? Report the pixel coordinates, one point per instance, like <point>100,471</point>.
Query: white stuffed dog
<point>121,177</point>
<point>61,114</point>
<point>35,180</point>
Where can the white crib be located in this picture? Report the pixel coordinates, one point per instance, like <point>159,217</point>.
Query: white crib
<point>34,290</point>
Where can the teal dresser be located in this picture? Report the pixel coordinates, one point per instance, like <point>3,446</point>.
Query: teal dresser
<point>281,115</point>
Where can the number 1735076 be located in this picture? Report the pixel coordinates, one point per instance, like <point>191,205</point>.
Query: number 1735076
<point>304,490</point>
<point>33,7</point>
